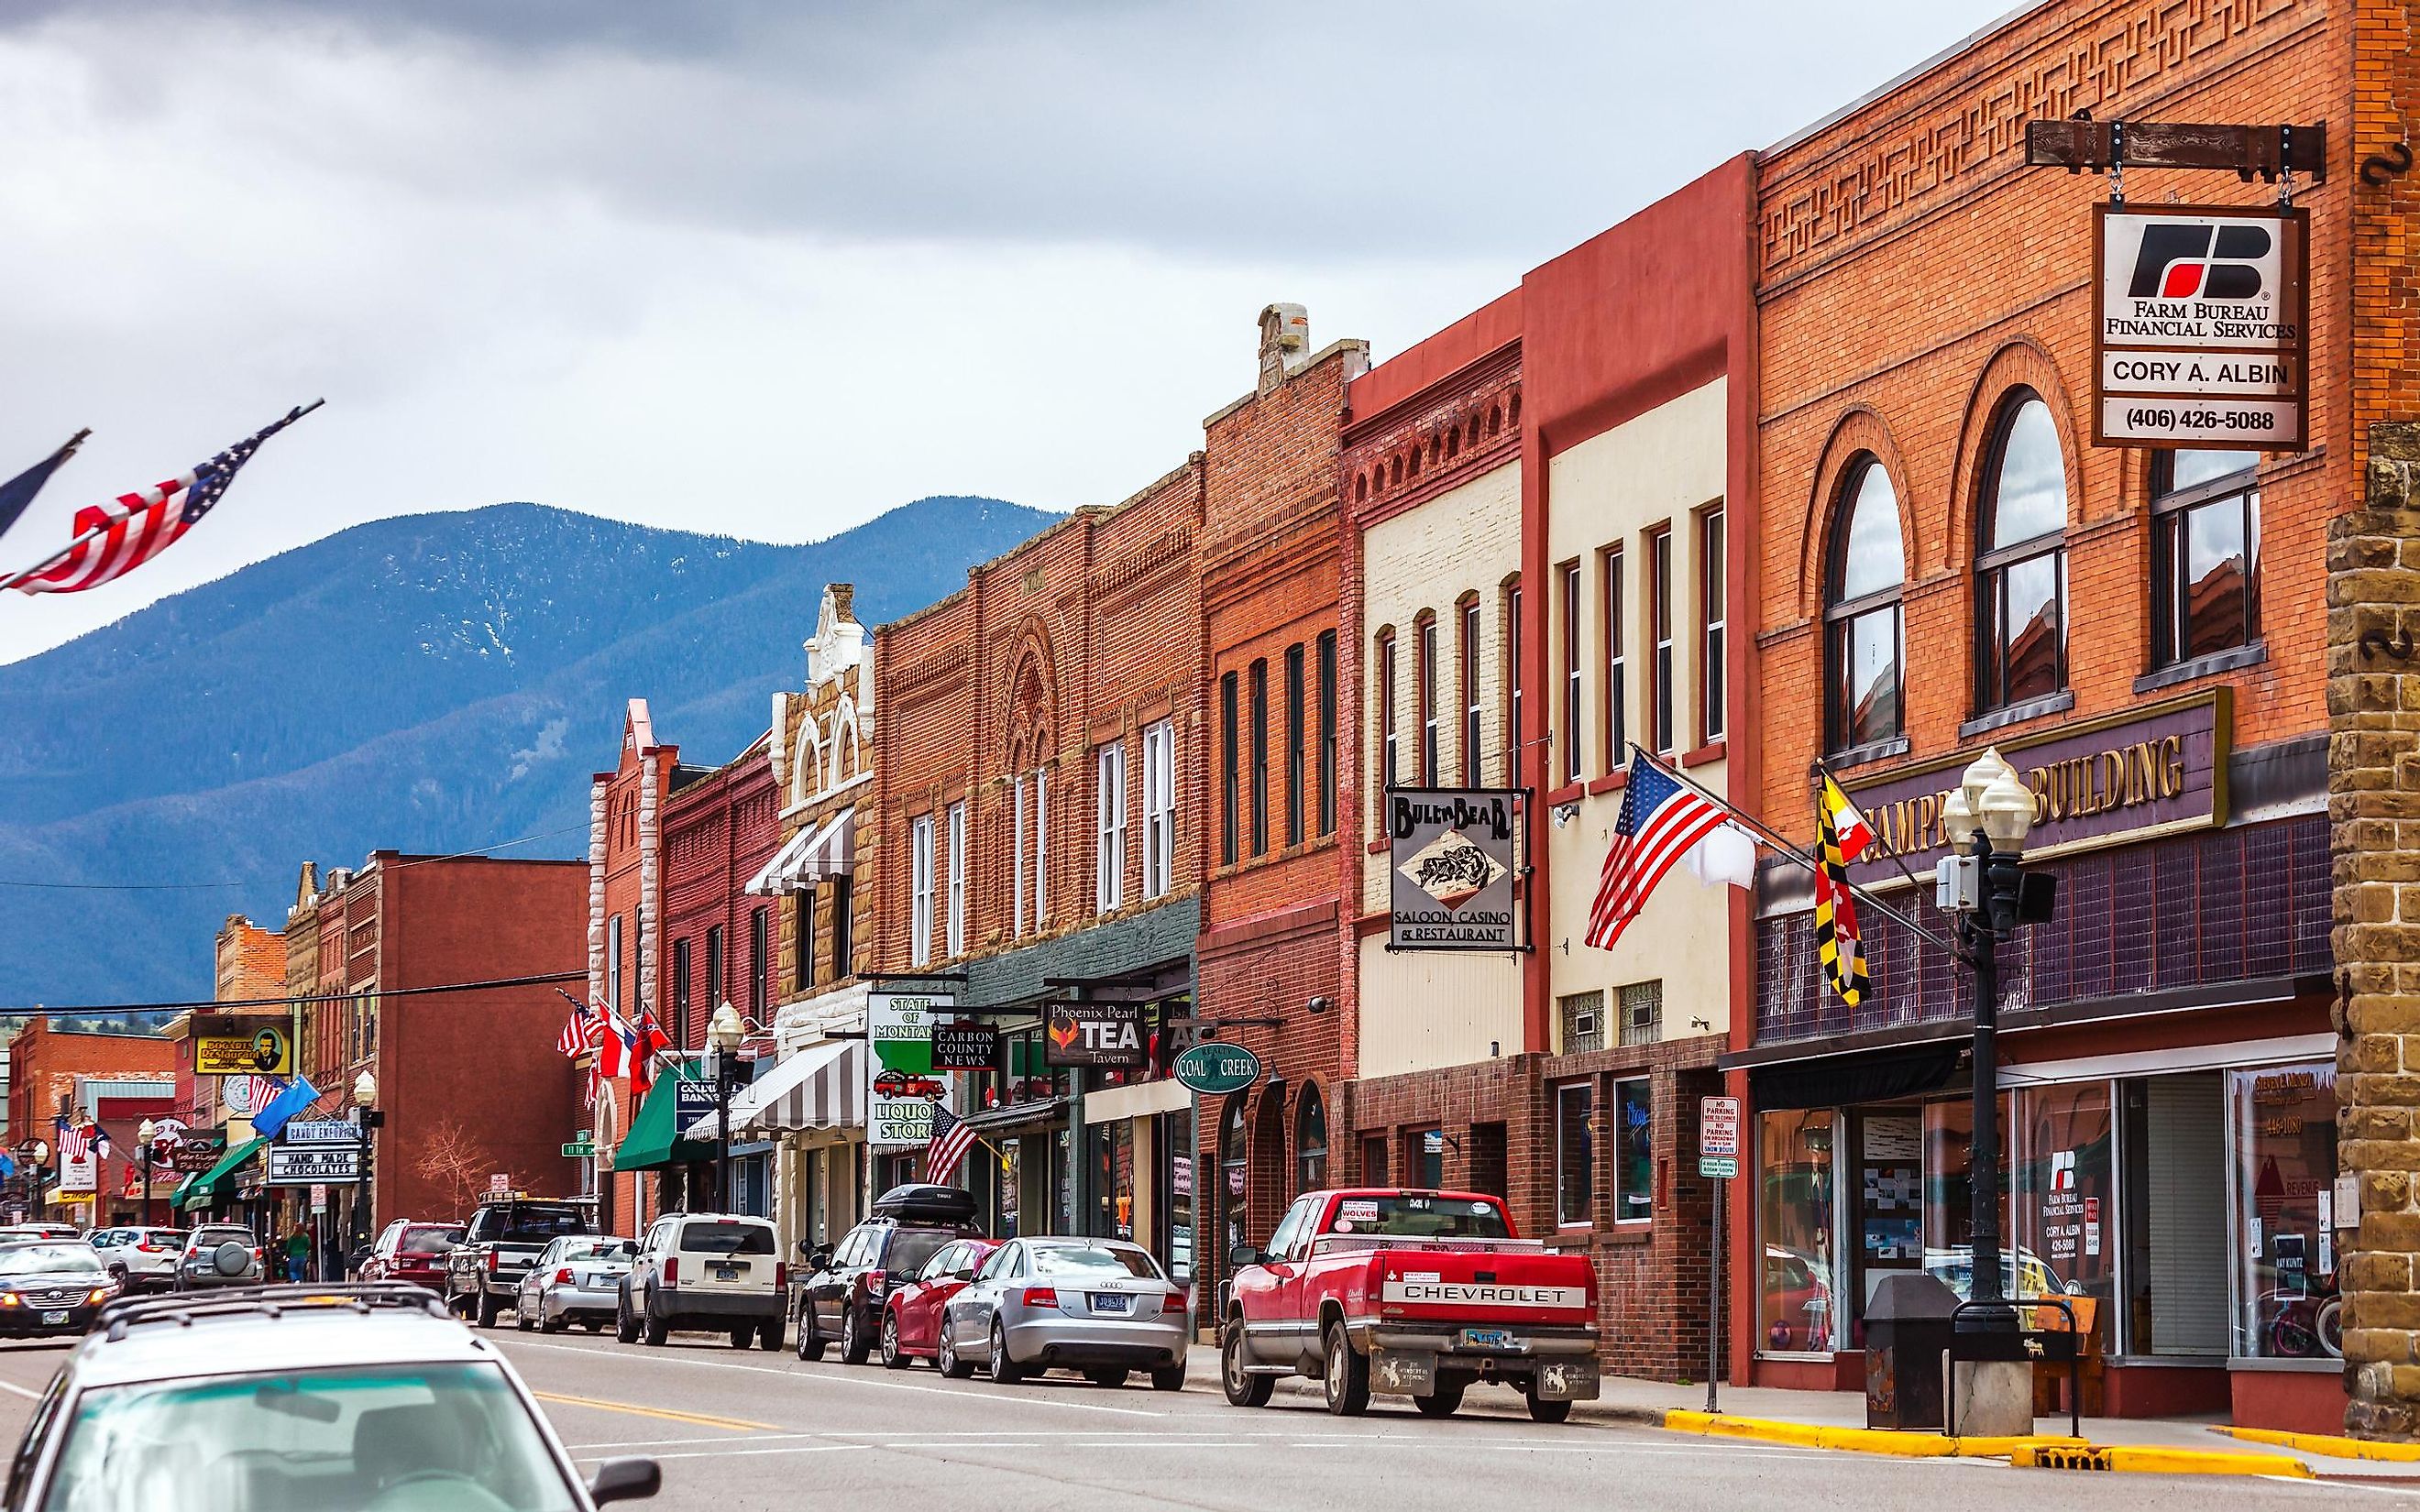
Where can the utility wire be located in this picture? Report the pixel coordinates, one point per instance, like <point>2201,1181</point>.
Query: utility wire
<point>75,1010</point>
<point>204,887</point>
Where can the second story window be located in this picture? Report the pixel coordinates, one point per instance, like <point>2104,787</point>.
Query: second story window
<point>1158,807</point>
<point>1109,856</point>
<point>1432,769</point>
<point>1864,572</point>
<point>1659,611</point>
<point>956,935</point>
<point>1294,737</point>
<point>1466,656</point>
<point>1387,768</point>
<point>2205,554</point>
<point>1231,777</point>
<point>1041,847</point>
<point>844,926</point>
<point>1569,598</point>
<point>613,964</point>
<point>920,890</point>
<point>1713,604</point>
<point>1510,771</point>
<point>1613,605</point>
<point>1328,731</point>
<point>760,961</point>
<point>681,985</point>
<point>1260,776</point>
<point>1017,853</point>
<point>2020,572</point>
<point>713,996</point>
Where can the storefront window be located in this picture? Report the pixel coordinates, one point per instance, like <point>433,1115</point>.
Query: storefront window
<point>1794,1216</point>
<point>2173,1140</point>
<point>1633,1152</point>
<point>1424,1159</point>
<point>1373,1160</point>
<point>2284,1134</point>
<point>1949,1196</point>
<point>2061,1176</point>
<point>1311,1142</point>
<point>1574,1152</point>
<point>1230,1174</point>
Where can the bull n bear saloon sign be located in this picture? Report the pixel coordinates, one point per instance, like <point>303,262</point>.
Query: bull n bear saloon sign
<point>1451,850</point>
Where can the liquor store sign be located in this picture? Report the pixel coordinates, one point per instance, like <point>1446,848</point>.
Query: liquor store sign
<point>2100,783</point>
<point>2202,328</point>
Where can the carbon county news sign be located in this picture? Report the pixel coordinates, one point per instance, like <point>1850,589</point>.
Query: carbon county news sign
<point>2201,331</point>
<point>1451,855</point>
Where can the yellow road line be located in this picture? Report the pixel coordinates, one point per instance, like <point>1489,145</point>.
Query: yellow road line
<point>733,1424</point>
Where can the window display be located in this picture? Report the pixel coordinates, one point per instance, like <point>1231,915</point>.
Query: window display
<point>1634,1152</point>
<point>2284,1126</point>
<point>2061,1176</point>
<point>1794,1221</point>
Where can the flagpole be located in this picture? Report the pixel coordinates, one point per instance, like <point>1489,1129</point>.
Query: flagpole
<point>1813,867</point>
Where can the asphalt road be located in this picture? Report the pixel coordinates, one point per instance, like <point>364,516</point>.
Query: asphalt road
<point>737,1432</point>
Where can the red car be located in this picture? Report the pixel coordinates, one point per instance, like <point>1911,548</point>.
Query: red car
<point>905,1084</point>
<point>413,1252</point>
<point>911,1317</point>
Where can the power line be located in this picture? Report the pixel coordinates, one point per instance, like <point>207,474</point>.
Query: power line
<point>74,1010</point>
<point>205,887</point>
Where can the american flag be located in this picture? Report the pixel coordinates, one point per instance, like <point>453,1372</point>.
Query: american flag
<point>247,1095</point>
<point>1659,821</point>
<point>953,1137</point>
<point>579,1031</point>
<point>111,541</point>
<point>75,1141</point>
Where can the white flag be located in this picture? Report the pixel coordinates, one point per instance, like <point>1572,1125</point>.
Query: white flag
<point>1726,854</point>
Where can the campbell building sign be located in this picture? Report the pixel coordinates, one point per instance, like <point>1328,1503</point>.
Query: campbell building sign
<point>1451,850</point>
<point>2102,782</point>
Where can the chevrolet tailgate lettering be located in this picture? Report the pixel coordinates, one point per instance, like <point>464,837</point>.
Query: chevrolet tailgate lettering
<point>1432,1292</point>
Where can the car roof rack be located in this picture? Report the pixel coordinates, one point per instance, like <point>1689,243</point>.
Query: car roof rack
<point>265,1301</point>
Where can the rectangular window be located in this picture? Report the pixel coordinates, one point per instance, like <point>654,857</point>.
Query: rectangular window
<point>1574,1152</point>
<point>1713,604</point>
<point>2285,1134</point>
<point>1659,589</point>
<point>613,964</point>
<point>1294,733</point>
<point>1327,732</point>
<point>1467,656</point>
<point>1260,758</point>
<point>844,927</point>
<point>713,996</point>
<point>1510,770</point>
<point>920,890</point>
<point>2206,555</point>
<point>803,971</point>
<point>680,992</point>
<point>1570,734</point>
<point>1373,1160</point>
<point>1634,1152</point>
<point>1158,807</point>
<point>1642,1012</point>
<point>1041,847</point>
<point>760,961</point>
<point>1231,777</point>
<point>957,941</point>
<point>1583,1021</point>
<point>1799,1280</point>
<point>1424,1159</point>
<point>1611,589</point>
<point>1432,771</point>
<point>1109,857</point>
<point>1017,853</point>
<point>1387,769</point>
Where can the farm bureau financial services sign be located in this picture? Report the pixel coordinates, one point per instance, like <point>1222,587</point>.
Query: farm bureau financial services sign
<point>2202,325</point>
<point>1451,855</point>
<point>2099,783</point>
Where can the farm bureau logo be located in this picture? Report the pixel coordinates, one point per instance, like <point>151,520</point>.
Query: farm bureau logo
<point>2185,260</point>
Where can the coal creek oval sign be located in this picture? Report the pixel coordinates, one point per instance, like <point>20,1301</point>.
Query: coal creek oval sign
<point>1213,1068</point>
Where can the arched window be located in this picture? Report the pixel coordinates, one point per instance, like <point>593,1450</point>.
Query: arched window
<point>1310,1142</point>
<point>806,764</point>
<point>1232,1184</point>
<point>2021,560</point>
<point>1863,578</point>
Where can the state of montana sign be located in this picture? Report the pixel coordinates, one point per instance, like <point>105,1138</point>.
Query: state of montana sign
<point>1453,868</point>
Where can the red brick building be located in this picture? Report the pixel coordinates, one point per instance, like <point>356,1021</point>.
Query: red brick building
<point>1948,564</point>
<point>48,1068</point>
<point>625,933</point>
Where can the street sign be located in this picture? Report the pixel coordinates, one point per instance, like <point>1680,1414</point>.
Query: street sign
<point>314,1165</point>
<point>1725,1167</point>
<point>2201,327</point>
<point>321,1131</point>
<point>1214,1068</point>
<point>500,1184</point>
<point>265,1051</point>
<point>965,1047</point>
<point>319,1198</point>
<point>1718,1121</point>
<point>579,1149</point>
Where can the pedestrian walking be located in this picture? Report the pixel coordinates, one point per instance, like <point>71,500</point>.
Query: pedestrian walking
<point>298,1254</point>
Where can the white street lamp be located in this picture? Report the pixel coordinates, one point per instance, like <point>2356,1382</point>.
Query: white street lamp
<point>2007,813</point>
<point>365,1090</point>
<point>723,1033</point>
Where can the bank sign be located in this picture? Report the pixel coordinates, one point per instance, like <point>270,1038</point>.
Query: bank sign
<point>2202,328</point>
<point>905,1090</point>
<point>1451,868</point>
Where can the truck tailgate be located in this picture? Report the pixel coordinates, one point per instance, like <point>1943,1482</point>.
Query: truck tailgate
<point>1457,1288</point>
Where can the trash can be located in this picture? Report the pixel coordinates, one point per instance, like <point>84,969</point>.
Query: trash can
<point>1907,1335</point>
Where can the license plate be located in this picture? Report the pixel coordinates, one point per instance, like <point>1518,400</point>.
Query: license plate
<point>725,1272</point>
<point>596,1281</point>
<point>1486,1338</point>
<point>59,1317</point>
<point>1110,1303</point>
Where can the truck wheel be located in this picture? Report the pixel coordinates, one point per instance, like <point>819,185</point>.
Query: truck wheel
<point>489,1309</point>
<point>626,1328</point>
<point>1541,1410</point>
<point>1242,1388</point>
<point>743,1336</point>
<point>768,1334</point>
<point>652,1329</point>
<point>1348,1374</point>
<point>853,1345</point>
<point>1443,1402</point>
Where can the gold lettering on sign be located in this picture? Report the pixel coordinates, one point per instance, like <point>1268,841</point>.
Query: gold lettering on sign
<point>2073,787</point>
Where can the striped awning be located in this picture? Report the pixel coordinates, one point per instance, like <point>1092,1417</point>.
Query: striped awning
<point>815,854</point>
<point>822,1086</point>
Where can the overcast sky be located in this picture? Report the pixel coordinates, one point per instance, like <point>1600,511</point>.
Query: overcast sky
<point>773,268</point>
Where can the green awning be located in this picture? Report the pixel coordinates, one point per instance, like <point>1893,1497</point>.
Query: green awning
<point>652,1143</point>
<point>201,1190</point>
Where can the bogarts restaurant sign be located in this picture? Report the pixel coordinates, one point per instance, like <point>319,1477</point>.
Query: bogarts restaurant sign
<point>2099,783</point>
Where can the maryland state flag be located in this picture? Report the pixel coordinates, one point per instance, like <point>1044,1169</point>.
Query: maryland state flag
<point>1842,835</point>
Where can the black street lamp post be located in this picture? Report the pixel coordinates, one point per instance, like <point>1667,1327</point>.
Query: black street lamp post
<point>145,1136</point>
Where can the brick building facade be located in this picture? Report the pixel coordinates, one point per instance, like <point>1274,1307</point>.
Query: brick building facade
<point>626,958</point>
<point>49,1069</point>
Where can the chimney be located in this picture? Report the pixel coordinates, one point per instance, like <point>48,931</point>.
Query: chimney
<point>1285,343</point>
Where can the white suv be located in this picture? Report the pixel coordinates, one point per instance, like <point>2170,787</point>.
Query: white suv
<point>143,1259</point>
<point>708,1272</point>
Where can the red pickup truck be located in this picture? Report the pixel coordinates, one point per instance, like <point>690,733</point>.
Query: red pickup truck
<point>1411,1293</point>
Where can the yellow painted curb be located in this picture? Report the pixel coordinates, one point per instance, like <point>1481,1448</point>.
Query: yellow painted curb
<point>2327,1444</point>
<point>1905,1443</point>
<point>2149,1461</point>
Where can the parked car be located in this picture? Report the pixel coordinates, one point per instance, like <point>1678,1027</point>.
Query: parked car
<point>51,1287</point>
<point>912,1318</point>
<point>12,1233</point>
<point>1099,1305</point>
<point>414,1252</point>
<point>845,1288</point>
<point>704,1273</point>
<point>220,1255</point>
<point>483,1272</point>
<point>141,1259</point>
<point>297,1397</point>
<point>575,1280</point>
<point>1413,1293</point>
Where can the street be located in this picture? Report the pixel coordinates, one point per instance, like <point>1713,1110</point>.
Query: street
<point>736,1433</point>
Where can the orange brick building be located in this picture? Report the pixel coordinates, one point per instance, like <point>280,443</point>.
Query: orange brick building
<point>47,1066</point>
<point>1946,563</point>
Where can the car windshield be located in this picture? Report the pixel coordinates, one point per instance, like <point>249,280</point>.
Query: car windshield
<point>726,1239</point>
<point>1093,1260</point>
<point>334,1441</point>
<point>1406,1216</point>
<point>429,1241</point>
<point>536,1226</point>
<point>47,1259</point>
<point>912,1247</point>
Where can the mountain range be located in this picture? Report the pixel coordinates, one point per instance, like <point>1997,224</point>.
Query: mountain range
<point>429,683</point>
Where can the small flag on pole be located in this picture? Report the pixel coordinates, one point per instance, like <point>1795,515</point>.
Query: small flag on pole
<point>953,1137</point>
<point>1660,821</point>
<point>75,1141</point>
<point>1836,940</point>
<point>1847,822</point>
<point>19,491</point>
<point>575,1036</point>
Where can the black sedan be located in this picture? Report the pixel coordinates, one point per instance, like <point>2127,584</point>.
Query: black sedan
<point>50,1288</point>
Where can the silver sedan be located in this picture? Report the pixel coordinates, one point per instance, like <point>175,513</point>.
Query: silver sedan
<point>1097,1306</point>
<point>577,1279</point>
